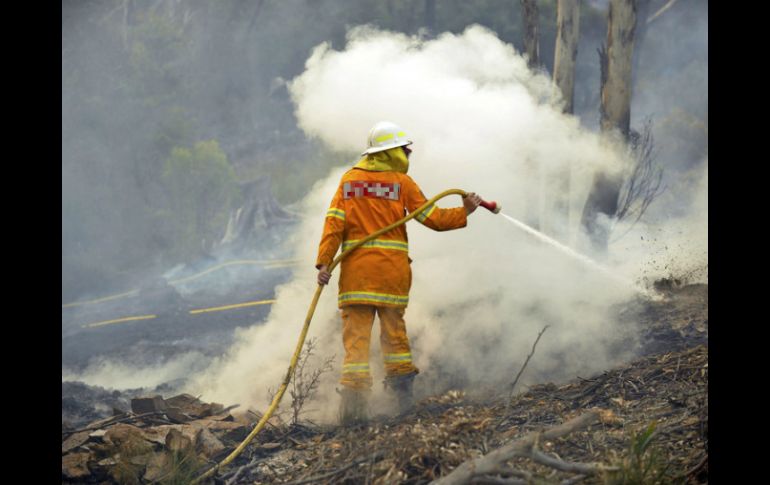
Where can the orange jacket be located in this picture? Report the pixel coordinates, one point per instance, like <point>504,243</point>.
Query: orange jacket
<point>378,272</point>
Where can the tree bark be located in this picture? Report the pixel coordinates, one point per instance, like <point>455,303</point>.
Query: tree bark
<point>531,32</point>
<point>616,66</point>
<point>616,88</point>
<point>565,55</point>
<point>567,35</point>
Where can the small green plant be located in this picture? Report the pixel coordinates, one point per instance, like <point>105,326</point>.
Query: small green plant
<point>182,466</point>
<point>643,463</point>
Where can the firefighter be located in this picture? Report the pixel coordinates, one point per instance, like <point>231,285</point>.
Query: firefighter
<point>376,277</point>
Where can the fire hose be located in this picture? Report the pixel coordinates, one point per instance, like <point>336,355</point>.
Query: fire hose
<point>491,206</point>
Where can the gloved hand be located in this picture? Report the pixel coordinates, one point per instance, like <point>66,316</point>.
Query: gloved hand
<point>470,202</point>
<point>323,275</point>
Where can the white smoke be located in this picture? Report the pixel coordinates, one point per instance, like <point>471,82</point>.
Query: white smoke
<point>480,121</point>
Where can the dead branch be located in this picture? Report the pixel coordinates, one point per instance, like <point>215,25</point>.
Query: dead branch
<point>525,363</point>
<point>116,419</point>
<point>566,466</point>
<point>254,462</point>
<point>487,464</point>
<point>643,184</point>
<point>499,481</point>
<point>660,12</point>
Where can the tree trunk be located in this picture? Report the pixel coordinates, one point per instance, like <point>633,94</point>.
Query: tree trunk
<point>531,32</point>
<point>642,12</point>
<point>430,16</point>
<point>567,35</point>
<point>616,86</point>
<point>616,65</point>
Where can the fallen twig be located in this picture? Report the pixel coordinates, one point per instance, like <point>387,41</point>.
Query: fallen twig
<point>254,462</point>
<point>113,421</point>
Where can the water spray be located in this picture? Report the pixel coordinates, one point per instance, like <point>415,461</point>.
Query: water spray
<point>574,254</point>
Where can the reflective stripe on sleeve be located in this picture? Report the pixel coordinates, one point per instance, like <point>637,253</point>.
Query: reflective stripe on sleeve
<point>426,213</point>
<point>338,213</point>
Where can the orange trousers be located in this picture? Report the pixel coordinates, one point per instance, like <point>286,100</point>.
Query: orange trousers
<point>357,323</point>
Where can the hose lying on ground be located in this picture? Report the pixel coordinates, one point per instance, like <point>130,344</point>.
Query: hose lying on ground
<point>303,333</point>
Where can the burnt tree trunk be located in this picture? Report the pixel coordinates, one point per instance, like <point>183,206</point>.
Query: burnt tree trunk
<point>565,55</point>
<point>567,35</point>
<point>616,65</point>
<point>531,32</point>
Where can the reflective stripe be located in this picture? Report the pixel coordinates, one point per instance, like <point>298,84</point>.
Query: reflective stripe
<point>355,367</point>
<point>384,137</point>
<point>426,213</point>
<point>400,134</point>
<point>372,297</point>
<point>339,214</point>
<point>378,243</point>
<point>388,358</point>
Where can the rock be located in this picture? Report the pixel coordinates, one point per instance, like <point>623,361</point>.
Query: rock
<point>176,441</point>
<point>98,435</point>
<point>192,406</point>
<point>75,465</point>
<point>157,467</point>
<point>175,415</point>
<point>157,434</point>
<point>208,444</point>
<point>151,404</point>
<point>122,433</point>
<point>74,441</point>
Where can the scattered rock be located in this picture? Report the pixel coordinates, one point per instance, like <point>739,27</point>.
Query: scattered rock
<point>74,441</point>
<point>152,404</point>
<point>75,465</point>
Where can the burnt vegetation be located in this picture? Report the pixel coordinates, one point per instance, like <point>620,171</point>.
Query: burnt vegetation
<point>642,422</point>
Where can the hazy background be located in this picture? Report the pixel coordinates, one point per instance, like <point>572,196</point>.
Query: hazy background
<point>169,108</point>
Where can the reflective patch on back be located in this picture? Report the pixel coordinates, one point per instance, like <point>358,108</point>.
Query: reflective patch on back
<point>377,190</point>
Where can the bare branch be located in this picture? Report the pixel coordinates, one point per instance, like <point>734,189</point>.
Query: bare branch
<point>525,364</point>
<point>643,184</point>
<point>568,466</point>
<point>492,461</point>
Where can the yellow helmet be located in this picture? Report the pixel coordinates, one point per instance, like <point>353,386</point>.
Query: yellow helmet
<point>384,136</point>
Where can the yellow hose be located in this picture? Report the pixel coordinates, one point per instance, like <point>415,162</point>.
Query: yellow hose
<point>303,334</point>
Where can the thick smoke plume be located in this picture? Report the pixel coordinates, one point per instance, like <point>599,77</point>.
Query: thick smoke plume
<point>481,121</point>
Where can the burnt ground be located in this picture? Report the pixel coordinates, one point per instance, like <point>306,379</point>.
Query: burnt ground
<point>664,391</point>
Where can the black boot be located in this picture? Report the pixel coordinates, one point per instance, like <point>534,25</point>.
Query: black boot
<point>402,388</point>
<point>353,406</point>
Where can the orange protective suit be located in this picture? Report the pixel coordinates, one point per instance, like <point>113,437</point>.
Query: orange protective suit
<point>376,277</point>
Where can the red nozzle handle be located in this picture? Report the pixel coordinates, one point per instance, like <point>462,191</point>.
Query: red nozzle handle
<point>491,206</point>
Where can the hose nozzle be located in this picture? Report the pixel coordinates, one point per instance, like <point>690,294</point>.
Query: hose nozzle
<point>493,206</point>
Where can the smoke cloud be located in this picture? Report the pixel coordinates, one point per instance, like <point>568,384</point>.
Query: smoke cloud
<point>480,121</point>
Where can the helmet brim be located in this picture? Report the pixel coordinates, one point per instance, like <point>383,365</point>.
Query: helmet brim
<point>371,150</point>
